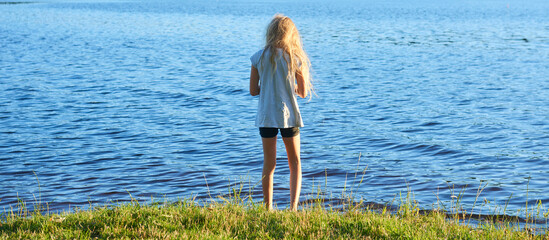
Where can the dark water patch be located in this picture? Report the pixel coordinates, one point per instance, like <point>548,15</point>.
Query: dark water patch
<point>519,39</point>
<point>89,179</point>
<point>412,130</point>
<point>430,124</point>
<point>319,174</point>
<point>107,159</point>
<point>445,152</point>
<point>111,193</point>
<point>13,3</point>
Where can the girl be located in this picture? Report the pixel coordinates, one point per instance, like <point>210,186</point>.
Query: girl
<point>280,71</point>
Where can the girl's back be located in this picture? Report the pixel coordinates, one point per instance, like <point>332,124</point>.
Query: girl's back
<point>277,102</point>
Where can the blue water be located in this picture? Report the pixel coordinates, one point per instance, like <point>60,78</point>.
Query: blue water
<point>105,98</point>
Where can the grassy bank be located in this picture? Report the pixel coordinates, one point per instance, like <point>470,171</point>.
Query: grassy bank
<point>230,217</point>
<point>234,218</point>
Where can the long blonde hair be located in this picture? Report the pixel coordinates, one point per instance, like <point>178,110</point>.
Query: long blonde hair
<point>282,33</point>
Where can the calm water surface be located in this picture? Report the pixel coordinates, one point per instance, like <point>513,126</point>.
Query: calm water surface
<point>102,98</point>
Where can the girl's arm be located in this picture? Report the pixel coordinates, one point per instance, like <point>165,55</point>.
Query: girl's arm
<point>254,82</point>
<point>300,90</point>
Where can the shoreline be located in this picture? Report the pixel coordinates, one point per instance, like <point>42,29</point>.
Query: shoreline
<point>233,217</point>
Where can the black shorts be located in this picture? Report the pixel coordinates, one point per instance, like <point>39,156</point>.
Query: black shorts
<point>272,132</point>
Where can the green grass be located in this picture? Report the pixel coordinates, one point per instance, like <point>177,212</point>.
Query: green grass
<point>235,218</point>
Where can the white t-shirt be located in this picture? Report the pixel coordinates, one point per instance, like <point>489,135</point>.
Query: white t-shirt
<point>277,100</point>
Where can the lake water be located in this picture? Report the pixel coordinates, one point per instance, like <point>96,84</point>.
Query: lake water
<point>104,98</point>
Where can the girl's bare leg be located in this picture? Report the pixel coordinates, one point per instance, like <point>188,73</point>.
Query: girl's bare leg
<point>294,160</point>
<point>269,164</point>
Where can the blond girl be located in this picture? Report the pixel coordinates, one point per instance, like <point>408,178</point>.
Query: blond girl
<point>280,71</point>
